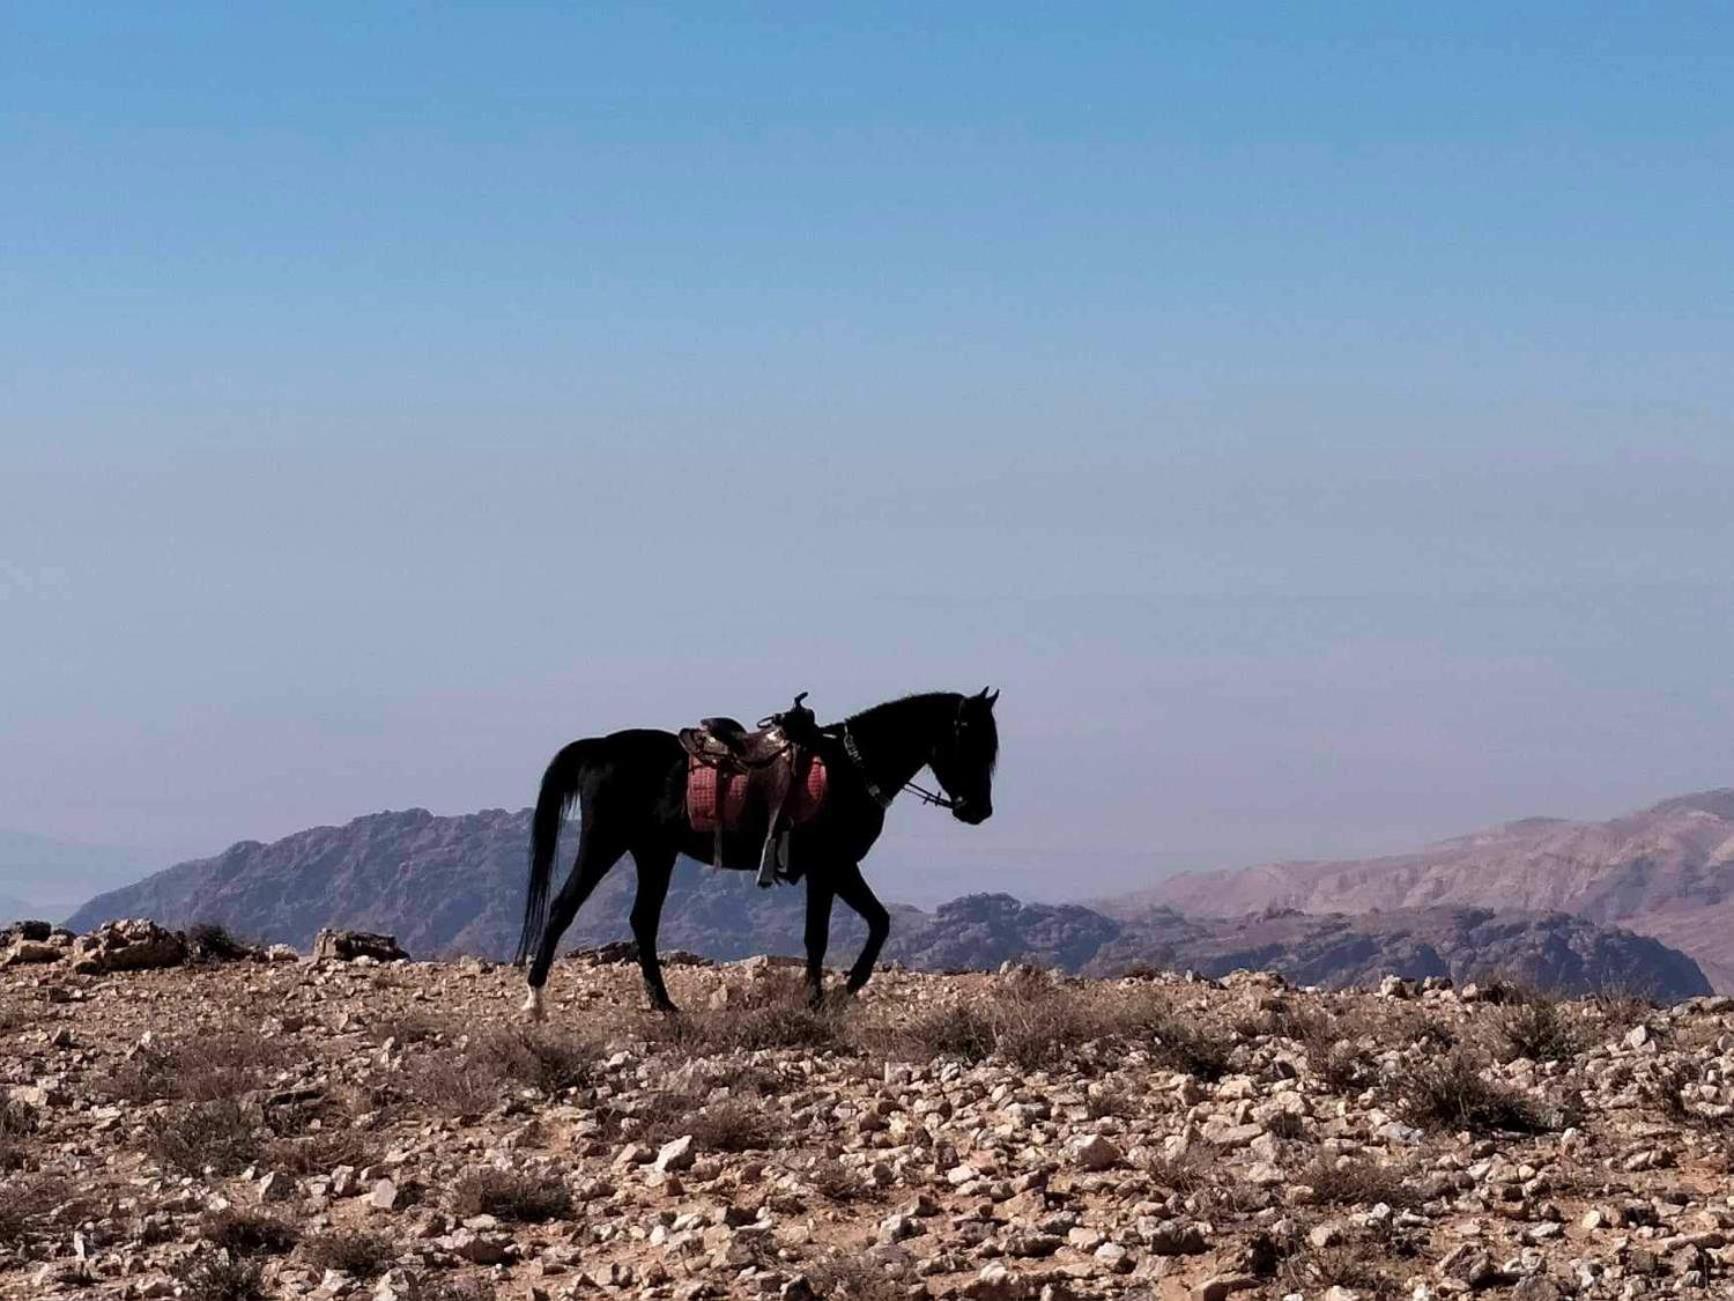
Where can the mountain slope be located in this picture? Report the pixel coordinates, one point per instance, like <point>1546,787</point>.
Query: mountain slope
<point>1667,871</point>
<point>455,884</point>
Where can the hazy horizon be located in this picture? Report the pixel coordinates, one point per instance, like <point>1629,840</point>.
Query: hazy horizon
<point>1315,422</point>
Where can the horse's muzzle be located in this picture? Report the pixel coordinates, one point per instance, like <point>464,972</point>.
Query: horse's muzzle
<point>973,814</point>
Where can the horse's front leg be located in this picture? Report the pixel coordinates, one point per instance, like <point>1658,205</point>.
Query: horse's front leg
<point>855,892</point>
<point>819,896</point>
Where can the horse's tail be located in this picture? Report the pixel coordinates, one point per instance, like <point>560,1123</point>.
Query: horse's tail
<point>559,789</point>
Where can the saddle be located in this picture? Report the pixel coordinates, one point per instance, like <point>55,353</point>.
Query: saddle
<point>736,776</point>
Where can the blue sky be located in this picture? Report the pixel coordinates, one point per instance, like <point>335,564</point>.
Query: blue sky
<point>1316,419</point>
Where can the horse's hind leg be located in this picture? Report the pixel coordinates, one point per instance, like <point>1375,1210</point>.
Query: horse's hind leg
<point>855,892</point>
<point>596,854</point>
<point>655,868</point>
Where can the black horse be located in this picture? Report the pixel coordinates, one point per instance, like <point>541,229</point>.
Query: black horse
<point>631,787</point>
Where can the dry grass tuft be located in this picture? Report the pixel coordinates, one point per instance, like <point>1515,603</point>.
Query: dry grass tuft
<point>1358,1183</point>
<point>548,1062</point>
<point>248,1233</point>
<point>222,1136</point>
<point>220,1278</point>
<point>853,1278</point>
<point>1539,1028</point>
<point>836,1182</point>
<point>450,1081</point>
<point>520,1198</point>
<point>738,1125</point>
<point>200,1067</point>
<point>322,1152</point>
<point>26,1203</point>
<point>1450,1093</point>
<point>214,942</point>
<point>359,1254</point>
<point>1358,1267</point>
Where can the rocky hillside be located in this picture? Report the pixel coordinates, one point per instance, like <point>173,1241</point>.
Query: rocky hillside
<point>1667,871</point>
<point>455,885</point>
<point>366,1132</point>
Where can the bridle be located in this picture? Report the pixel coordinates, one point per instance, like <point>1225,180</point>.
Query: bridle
<point>880,798</point>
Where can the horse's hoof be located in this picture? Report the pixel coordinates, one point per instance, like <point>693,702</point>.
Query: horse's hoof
<point>534,1011</point>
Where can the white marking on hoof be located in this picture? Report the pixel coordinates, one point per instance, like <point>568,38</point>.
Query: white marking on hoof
<point>533,1009</point>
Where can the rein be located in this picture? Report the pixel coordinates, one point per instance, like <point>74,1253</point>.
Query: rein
<point>873,788</point>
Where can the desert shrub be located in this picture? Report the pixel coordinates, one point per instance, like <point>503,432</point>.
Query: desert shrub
<point>323,1151</point>
<point>520,1197</point>
<point>26,1203</point>
<point>1358,1267</point>
<point>17,1123</point>
<point>1450,1093</point>
<point>959,1030</point>
<point>424,1288</point>
<point>248,1233</point>
<point>213,942</point>
<point>853,1278</point>
<point>222,1136</point>
<point>770,1012</point>
<point>1539,1028</point>
<point>220,1278</point>
<point>1621,1007</point>
<point>537,1058</point>
<point>451,1081</point>
<point>202,1067</point>
<point>1357,1183</point>
<point>1184,1173</point>
<point>737,1125</point>
<point>359,1254</point>
<point>836,1182</point>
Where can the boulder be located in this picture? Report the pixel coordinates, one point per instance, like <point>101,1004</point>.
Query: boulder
<point>131,944</point>
<point>347,946</point>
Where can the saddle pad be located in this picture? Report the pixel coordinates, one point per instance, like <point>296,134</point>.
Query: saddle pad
<point>709,789</point>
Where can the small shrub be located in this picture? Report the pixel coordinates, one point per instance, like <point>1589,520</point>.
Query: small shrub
<point>1358,1267</point>
<point>424,1288</point>
<point>1540,1029</point>
<point>25,1204</point>
<point>359,1254</point>
<point>248,1233</point>
<point>853,1278</point>
<point>213,942</point>
<point>1449,1093</point>
<point>539,1059</point>
<point>737,1125</point>
<point>323,1151</point>
<point>222,1136</point>
<point>836,1182</point>
<point>1357,1183</point>
<point>17,1123</point>
<point>1182,1174</point>
<point>221,1278</point>
<point>198,1068</point>
<point>521,1198</point>
<point>452,1082</point>
<point>958,1030</point>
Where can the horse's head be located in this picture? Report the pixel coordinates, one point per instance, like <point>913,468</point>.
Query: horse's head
<point>964,755</point>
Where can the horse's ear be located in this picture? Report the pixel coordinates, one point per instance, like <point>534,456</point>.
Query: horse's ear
<point>988,697</point>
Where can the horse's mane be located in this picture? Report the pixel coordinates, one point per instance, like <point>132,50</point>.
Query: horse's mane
<point>886,711</point>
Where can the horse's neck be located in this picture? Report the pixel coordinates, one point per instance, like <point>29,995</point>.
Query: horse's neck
<point>895,740</point>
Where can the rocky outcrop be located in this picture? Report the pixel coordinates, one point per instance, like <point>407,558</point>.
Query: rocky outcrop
<point>131,944</point>
<point>348,946</point>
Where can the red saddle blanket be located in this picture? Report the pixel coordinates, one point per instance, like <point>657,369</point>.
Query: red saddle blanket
<point>710,791</point>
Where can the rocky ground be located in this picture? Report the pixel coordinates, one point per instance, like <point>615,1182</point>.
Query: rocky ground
<point>229,1129</point>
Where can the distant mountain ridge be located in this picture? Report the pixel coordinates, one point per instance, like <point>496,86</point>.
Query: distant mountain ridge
<point>1665,871</point>
<point>455,884</point>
